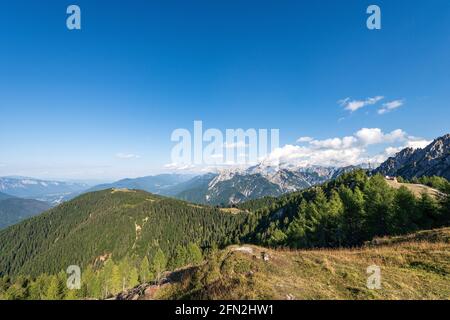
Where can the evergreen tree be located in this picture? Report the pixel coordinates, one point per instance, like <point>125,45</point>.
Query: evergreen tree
<point>296,233</point>
<point>179,258</point>
<point>55,290</point>
<point>405,213</point>
<point>145,274</point>
<point>133,278</point>
<point>72,294</point>
<point>354,215</point>
<point>39,287</point>
<point>333,220</point>
<point>159,264</point>
<point>429,211</point>
<point>105,276</point>
<point>194,254</point>
<point>379,199</point>
<point>116,281</point>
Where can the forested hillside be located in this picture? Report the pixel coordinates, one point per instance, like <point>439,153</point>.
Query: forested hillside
<point>122,237</point>
<point>346,212</point>
<point>112,223</point>
<point>14,210</point>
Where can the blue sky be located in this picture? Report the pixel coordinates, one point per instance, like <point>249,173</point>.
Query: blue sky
<point>79,104</point>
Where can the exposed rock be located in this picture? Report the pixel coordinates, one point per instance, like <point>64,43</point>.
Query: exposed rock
<point>433,160</point>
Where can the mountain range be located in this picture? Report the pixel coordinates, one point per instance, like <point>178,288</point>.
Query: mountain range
<point>237,185</point>
<point>109,233</point>
<point>158,184</point>
<point>433,160</point>
<point>232,186</point>
<point>53,192</point>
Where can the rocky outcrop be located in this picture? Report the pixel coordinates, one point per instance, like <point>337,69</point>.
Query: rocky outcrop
<point>433,160</point>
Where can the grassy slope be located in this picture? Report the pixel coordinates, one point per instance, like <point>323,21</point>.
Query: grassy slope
<point>416,189</point>
<point>412,267</point>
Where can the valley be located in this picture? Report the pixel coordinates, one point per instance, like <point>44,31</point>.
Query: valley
<point>123,237</point>
<point>290,233</point>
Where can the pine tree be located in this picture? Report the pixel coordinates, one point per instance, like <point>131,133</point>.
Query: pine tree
<point>159,264</point>
<point>55,289</point>
<point>125,268</point>
<point>133,278</point>
<point>39,287</point>
<point>296,233</point>
<point>87,283</point>
<point>429,211</point>
<point>72,294</point>
<point>354,215</point>
<point>379,199</point>
<point>318,213</point>
<point>145,274</point>
<point>179,258</point>
<point>194,254</point>
<point>105,276</point>
<point>333,220</point>
<point>444,216</point>
<point>405,212</point>
<point>116,280</point>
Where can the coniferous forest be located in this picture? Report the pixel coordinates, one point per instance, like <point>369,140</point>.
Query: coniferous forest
<point>121,238</point>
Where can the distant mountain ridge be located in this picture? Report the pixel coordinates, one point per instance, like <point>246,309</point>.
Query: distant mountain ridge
<point>158,184</point>
<point>53,192</point>
<point>433,160</point>
<point>4,196</point>
<point>232,186</point>
<point>14,210</point>
<point>239,185</point>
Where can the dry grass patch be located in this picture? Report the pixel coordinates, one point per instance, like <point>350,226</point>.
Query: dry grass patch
<point>409,270</point>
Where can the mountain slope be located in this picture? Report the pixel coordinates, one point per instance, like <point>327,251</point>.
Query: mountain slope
<point>433,160</point>
<point>345,212</point>
<point>115,223</point>
<point>159,184</point>
<point>112,234</point>
<point>53,192</point>
<point>14,210</point>
<point>412,267</point>
<point>239,185</point>
<point>4,196</point>
<point>231,186</point>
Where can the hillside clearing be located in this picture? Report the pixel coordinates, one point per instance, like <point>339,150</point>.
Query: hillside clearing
<point>232,210</point>
<point>416,189</point>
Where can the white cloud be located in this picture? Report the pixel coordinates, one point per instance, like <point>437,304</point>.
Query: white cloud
<point>417,143</point>
<point>353,105</point>
<point>334,143</point>
<point>375,136</point>
<point>364,146</point>
<point>389,106</point>
<point>344,151</point>
<point>127,156</point>
<point>304,139</point>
